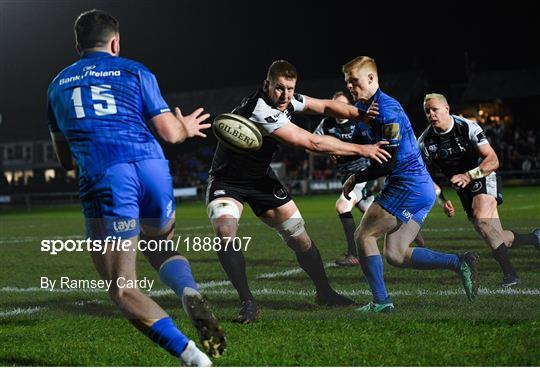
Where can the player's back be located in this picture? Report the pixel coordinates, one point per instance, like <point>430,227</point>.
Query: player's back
<point>393,125</point>
<point>101,104</point>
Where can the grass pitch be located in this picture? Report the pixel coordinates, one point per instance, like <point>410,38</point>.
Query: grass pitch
<point>433,323</point>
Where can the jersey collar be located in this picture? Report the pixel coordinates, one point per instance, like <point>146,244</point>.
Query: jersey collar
<point>446,131</point>
<point>376,97</point>
<point>95,54</point>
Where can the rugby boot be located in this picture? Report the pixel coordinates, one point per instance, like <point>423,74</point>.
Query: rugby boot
<point>249,312</point>
<point>468,270</point>
<point>211,334</point>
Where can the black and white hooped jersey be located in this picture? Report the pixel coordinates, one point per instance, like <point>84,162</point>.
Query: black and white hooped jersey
<point>247,166</point>
<point>348,131</point>
<point>456,150</point>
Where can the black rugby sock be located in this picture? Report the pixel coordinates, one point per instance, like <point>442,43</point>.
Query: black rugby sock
<point>524,239</point>
<point>347,221</point>
<point>311,262</point>
<point>234,264</point>
<point>501,255</point>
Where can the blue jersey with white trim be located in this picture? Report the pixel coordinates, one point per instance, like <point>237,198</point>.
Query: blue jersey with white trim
<point>101,104</point>
<point>393,125</point>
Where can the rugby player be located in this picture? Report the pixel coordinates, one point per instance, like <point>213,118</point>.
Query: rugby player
<point>236,178</point>
<point>100,112</point>
<point>361,196</point>
<point>405,200</point>
<point>460,149</point>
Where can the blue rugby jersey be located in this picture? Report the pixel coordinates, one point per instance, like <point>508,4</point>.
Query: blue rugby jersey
<point>394,126</point>
<point>101,104</point>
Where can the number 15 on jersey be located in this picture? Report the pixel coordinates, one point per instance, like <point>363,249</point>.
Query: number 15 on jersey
<point>103,101</point>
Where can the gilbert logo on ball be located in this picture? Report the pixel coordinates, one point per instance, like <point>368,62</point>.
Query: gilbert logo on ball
<point>237,132</point>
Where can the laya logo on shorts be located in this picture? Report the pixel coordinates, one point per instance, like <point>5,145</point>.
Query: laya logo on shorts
<point>476,186</point>
<point>280,192</point>
<point>219,192</point>
<point>121,226</point>
<point>406,213</point>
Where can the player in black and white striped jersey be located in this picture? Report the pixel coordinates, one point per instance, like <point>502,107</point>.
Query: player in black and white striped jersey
<point>237,178</point>
<point>461,150</point>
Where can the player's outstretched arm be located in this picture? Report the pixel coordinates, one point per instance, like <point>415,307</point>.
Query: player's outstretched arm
<point>337,109</point>
<point>295,136</point>
<point>63,153</point>
<point>177,128</point>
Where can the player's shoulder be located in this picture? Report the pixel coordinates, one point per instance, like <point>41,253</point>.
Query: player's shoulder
<point>389,108</point>
<point>461,121</point>
<point>130,64</point>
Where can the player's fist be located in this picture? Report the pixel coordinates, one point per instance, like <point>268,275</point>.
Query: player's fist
<point>460,180</point>
<point>448,208</point>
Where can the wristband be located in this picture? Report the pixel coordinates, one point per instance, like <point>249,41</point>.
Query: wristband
<point>476,173</point>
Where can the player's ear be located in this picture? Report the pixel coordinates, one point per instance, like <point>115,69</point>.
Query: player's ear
<point>115,45</point>
<point>371,77</point>
<point>266,85</point>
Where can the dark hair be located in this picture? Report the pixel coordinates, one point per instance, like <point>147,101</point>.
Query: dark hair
<point>94,28</point>
<point>281,68</point>
<point>341,93</point>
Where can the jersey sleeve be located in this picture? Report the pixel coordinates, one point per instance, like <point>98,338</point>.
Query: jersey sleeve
<point>152,102</point>
<point>391,130</point>
<point>298,102</point>
<point>51,119</point>
<point>476,134</point>
<point>268,119</point>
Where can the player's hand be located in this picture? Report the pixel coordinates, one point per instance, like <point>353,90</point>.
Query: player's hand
<point>448,208</point>
<point>348,186</point>
<point>372,112</point>
<point>460,180</point>
<point>375,152</point>
<point>192,122</point>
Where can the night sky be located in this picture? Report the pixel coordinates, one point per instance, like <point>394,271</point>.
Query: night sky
<point>192,45</point>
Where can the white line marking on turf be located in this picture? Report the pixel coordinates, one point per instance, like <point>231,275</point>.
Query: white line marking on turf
<point>292,271</point>
<point>272,291</point>
<point>19,311</point>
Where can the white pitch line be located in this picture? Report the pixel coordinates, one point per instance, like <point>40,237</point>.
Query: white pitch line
<point>292,271</point>
<point>19,311</point>
<point>272,291</point>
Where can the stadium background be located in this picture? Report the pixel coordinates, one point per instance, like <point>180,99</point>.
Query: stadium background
<point>212,54</point>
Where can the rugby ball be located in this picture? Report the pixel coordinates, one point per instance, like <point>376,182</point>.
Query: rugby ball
<point>237,132</point>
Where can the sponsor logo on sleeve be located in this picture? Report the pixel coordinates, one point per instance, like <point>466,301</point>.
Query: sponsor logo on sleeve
<point>390,131</point>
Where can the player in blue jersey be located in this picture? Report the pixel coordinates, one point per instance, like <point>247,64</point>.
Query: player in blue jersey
<point>102,111</point>
<point>408,195</point>
<point>361,196</point>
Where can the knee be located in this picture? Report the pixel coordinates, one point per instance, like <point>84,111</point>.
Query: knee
<point>300,243</point>
<point>360,237</point>
<point>394,257</point>
<point>226,227</point>
<point>122,295</point>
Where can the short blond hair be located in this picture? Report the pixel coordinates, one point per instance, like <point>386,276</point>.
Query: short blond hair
<point>437,96</point>
<point>360,62</point>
